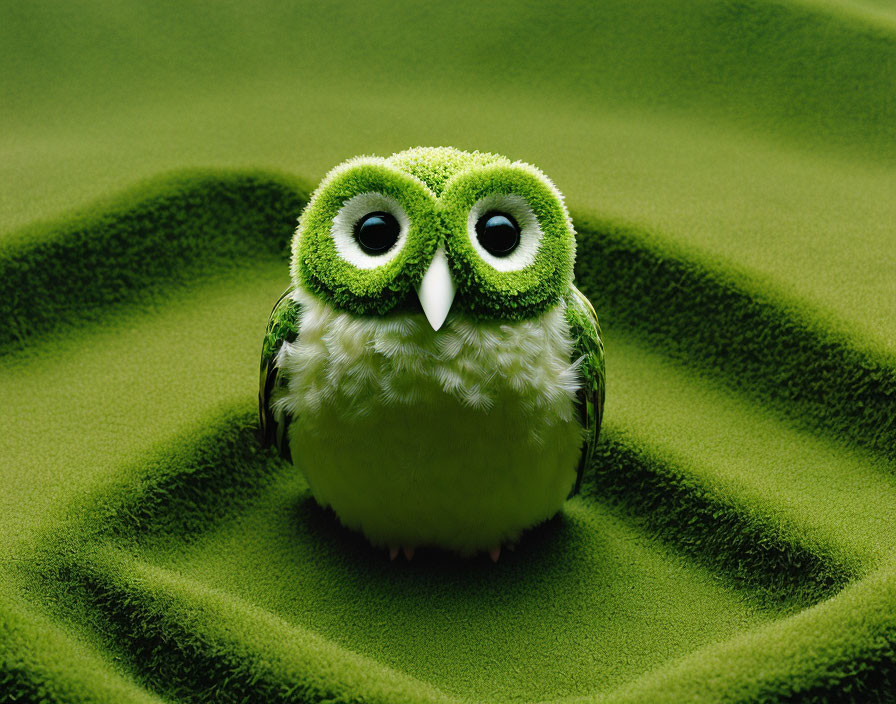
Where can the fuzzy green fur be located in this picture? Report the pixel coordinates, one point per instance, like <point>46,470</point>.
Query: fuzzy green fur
<point>516,295</point>
<point>318,266</point>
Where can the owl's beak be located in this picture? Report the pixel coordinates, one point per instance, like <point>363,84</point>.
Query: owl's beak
<point>436,290</point>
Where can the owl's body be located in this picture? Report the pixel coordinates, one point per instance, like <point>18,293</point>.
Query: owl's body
<point>459,432</point>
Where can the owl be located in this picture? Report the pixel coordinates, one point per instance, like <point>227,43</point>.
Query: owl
<point>432,370</point>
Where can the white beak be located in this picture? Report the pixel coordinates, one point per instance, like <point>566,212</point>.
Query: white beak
<point>436,290</point>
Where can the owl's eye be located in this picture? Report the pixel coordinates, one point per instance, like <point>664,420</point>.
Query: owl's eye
<point>370,230</point>
<point>504,231</point>
<point>377,232</point>
<point>498,233</point>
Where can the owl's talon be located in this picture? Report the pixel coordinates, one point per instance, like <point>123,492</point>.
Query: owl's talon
<point>408,552</point>
<point>495,553</point>
<point>393,552</point>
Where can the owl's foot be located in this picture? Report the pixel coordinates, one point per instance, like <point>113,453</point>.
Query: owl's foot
<point>408,551</point>
<point>495,552</point>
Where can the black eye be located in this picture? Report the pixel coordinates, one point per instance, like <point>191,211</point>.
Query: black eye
<point>498,233</point>
<point>377,232</point>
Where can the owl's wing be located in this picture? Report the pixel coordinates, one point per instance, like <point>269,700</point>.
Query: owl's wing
<point>589,348</point>
<point>283,326</point>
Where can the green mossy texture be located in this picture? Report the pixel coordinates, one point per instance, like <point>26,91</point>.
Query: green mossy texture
<point>729,168</point>
<point>134,248</point>
<point>450,183</point>
<point>202,570</point>
<point>435,166</point>
<point>516,295</point>
<point>721,322</point>
<point>320,269</point>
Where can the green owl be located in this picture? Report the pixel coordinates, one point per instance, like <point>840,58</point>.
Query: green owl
<point>432,370</point>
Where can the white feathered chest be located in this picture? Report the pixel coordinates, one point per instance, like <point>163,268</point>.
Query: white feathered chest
<point>476,409</point>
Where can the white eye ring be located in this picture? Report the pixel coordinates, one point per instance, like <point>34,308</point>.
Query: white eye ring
<point>530,231</point>
<point>355,208</point>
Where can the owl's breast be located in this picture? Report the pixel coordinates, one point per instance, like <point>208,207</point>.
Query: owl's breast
<point>453,437</point>
<point>359,365</point>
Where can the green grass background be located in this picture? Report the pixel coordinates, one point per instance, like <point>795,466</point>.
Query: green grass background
<point>730,168</point>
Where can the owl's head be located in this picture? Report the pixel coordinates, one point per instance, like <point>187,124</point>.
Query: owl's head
<point>437,228</point>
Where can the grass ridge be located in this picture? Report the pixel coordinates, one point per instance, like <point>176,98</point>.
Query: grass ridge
<point>183,486</point>
<point>40,661</point>
<point>202,645</point>
<point>204,475</point>
<point>130,248</point>
<point>757,553</point>
<point>719,321</point>
<point>781,662</point>
<point>207,472</point>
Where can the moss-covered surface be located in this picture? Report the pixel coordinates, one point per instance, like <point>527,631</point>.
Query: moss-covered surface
<point>710,528</point>
<point>760,132</point>
<point>729,168</point>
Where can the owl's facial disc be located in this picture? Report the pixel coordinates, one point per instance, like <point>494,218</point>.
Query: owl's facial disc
<point>436,290</point>
<point>488,238</point>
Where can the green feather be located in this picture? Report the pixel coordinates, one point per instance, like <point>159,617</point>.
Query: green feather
<point>587,346</point>
<point>283,326</point>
